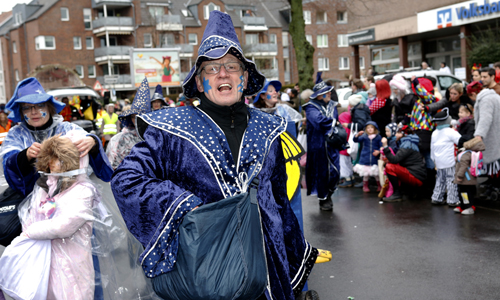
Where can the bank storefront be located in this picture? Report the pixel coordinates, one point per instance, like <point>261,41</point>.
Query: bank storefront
<point>437,35</point>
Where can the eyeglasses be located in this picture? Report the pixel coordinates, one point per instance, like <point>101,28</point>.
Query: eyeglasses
<point>214,68</point>
<point>26,108</point>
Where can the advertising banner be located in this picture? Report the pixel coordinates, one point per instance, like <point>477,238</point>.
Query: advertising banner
<point>159,65</point>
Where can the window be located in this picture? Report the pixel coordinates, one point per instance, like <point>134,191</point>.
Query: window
<point>14,47</point>
<point>87,18</point>
<point>446,81</point>
<point>342,17</point>
<point>251,39</point>
<point>323,64</point>
<point>309,38</point>
<point>187,13</point>
<point>285,39</point>
<point>322,40</point>
<point>77,43</point>
<point>18,18</point>
<point>307,17</point>
<point>17,75</point>
<point>343,63</point>
<point>246,13</point>
<point>112,41</point>
<point>207,9</point>
<point>45,43</point>
<point>342,40</point>
<point>321,17</point>
<point>168,39</point>
<point>193,39</point>
<point>156,12</point>
<point>148,42</point>
<point>272,39</point>
<point>79,70</point>
<point>91,71</point>
<point>89,42</point>
<point>361,62</point>
<point>64,14</point>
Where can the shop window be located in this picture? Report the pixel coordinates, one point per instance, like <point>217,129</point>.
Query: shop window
<point>323,64</point>
<point>322,40</point>
<point>307,17</point>
<point>343,63</point>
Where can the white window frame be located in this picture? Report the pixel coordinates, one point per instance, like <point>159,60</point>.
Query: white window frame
<point>284,35</point>
<point>187,13</point>
<point>87,17</point>
<point>195,39</point>
<point>82,73</point>
<point>150,44</point>
<point>309,38</point>
<point>342,40</point>
<point>67,14</point>
<point>322,22</point>
<point>307,17</point>
<point>341,63</point>
<point>41,42</point>
<point>271,39</point>
<point>14,47</point>
<point>91,67</point>
<point>91,39</point>
<point>322,40</point>
<point>344,16</point>
<point>362,62</point>
<point>79,46</point>
<point>254,36</point>
<point>323,64</point>
<point>18,19</point>
<point>207,11</point>
<point>17,75</point>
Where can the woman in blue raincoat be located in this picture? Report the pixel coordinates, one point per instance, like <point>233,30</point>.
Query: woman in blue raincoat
<point>322,168</point>
<point>38,118</point>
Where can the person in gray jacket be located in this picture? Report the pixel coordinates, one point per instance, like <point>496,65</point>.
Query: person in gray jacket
<point>487,118</point>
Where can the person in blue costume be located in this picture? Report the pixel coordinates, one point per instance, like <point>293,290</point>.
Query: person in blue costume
<point>192,156</point>
<point>38,118</point>
<point>323,162</point>
<point>157,100</point>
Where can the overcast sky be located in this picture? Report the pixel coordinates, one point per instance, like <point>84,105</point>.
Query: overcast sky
<point>7,5</point>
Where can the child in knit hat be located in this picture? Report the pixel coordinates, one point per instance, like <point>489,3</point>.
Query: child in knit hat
<point>443,142</point>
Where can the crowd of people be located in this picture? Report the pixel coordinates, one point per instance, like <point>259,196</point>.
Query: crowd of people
<point>227,148</point>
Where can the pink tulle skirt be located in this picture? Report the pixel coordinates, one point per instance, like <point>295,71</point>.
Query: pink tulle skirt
<point>364,170</point>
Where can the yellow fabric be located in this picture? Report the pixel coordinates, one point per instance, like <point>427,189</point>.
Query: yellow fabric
<point>110,123</point>
<point>292,150</point>
<point>88,113</point>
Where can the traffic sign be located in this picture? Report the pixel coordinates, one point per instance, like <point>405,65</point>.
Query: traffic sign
<point>97,86</point>
<point>110,79</point>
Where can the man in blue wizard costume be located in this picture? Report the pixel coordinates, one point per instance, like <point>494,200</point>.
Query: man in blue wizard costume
<point>194,156</point>
<point>322,168</point>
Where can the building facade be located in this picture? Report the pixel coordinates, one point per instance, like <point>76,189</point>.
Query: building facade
<point>95,37</point>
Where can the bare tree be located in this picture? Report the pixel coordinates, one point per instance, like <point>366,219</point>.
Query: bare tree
<point>303,50</point>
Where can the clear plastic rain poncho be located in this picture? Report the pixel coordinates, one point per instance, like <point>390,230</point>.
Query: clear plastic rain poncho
<point>75,244</point>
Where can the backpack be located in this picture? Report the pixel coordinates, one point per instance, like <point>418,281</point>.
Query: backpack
<point>476,163</point>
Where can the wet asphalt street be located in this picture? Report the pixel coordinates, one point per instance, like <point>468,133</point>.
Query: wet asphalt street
<point>406,250</point>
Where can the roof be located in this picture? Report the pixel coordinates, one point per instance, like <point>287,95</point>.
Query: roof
<point>44,6</point>
<point>5,16</point>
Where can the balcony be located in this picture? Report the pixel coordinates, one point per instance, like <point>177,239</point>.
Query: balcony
<point>260,50</point>
<point>124,83</point>
<point>186,50</point>
<point>114,25</point>
<point>169,23</point>
<point>254,24</point>
<point>113,3</point>
<point>270,74</point>
<point>117,54</point>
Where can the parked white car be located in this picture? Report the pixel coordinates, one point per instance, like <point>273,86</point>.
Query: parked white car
<point>443,80</point>
<point>343,95</point>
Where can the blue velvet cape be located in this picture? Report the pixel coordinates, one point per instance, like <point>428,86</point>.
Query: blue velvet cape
<point>322,165</point>
<point>185,161</point>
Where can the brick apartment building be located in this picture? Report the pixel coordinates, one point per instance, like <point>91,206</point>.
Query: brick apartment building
<point>94,37</point>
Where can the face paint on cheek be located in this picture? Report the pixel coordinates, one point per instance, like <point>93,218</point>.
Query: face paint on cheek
<point>240,86</point>
<point>26,118</point>
<point>206,85</point>
<point>268,97</point>
<point>43,113</point>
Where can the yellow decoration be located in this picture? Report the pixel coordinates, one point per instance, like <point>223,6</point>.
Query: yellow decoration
<point>88,113</point>
<point>292,150</point>
<point>323,256</point>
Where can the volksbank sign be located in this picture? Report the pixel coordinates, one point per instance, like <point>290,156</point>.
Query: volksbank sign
<point>458,14</point>
<point>475,10</point>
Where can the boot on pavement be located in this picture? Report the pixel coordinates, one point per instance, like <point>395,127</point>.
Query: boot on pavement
<point>395,197</point>
<point>326,204</point>
<point>366,188</point>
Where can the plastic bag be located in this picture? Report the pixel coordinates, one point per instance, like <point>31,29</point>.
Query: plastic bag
<point>353,147</point>
<point>25,266</point>
<point>302,138</point>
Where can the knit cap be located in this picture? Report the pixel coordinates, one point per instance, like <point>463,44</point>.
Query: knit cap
<point>354,100</point>
<point>442,117</point>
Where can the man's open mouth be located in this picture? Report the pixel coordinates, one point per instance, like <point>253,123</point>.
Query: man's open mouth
<point>225,87</point>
